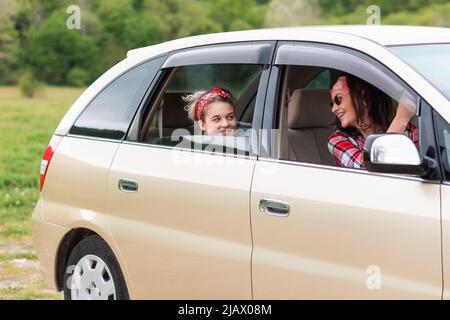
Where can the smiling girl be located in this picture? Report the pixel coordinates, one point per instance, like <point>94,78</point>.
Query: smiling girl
<point>213,110</point>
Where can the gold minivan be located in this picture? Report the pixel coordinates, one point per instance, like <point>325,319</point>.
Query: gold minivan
<point>136,204</point>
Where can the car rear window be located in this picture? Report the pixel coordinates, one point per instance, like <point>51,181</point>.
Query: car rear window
<point>110,113</point>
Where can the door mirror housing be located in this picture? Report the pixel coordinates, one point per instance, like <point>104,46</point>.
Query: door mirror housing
<point>394,153</point>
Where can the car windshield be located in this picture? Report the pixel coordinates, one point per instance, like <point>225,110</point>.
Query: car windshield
<point>431,61</point>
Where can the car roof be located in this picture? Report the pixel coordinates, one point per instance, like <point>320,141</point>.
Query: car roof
<point>394,35</point>
<point>381,35</point>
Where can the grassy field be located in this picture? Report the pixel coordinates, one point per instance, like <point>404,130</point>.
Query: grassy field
<point>26,126</point>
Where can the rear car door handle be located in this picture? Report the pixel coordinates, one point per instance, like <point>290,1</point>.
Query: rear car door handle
<point>128,185</point>
<point>274,207</point>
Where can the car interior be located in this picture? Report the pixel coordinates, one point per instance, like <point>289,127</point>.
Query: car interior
<point>305,117</point>
<point>167,120</point>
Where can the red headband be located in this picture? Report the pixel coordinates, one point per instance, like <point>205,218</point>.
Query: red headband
<point>200,106</point>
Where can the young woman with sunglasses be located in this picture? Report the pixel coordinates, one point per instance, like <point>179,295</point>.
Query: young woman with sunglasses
<point>361,110</point>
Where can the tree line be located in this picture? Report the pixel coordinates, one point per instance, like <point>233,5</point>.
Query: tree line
<point>35,39</point>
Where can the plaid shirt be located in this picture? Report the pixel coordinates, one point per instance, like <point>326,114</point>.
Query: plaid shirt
<point>348,150</point>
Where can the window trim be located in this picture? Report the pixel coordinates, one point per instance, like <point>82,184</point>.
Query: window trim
<point>148,145</point>
<point>136,123</point>
<point>435,118</point>
<point>339,58</point>
<point>428,139</point>
<point>158,95</point>
<point>257,52</point>
<point>349,170</point>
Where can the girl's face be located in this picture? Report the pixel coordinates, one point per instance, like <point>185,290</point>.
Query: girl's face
<point>344,109</point>
<point>219,119</point>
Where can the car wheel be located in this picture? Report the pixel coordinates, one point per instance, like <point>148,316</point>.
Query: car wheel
<point>93,273</point>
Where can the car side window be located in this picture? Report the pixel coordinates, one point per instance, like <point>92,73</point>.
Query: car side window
<point>110,113</point>
<point>168,123</point>
<point>443,134</point>
<point>310,124</point>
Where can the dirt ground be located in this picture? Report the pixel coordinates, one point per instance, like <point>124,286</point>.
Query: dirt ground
<point>20,275</point>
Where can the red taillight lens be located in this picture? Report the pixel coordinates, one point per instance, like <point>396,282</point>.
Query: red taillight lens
<point>48,154</point>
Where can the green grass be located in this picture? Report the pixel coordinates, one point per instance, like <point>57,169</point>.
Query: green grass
<point>26,126</point>
<point>29,255</point>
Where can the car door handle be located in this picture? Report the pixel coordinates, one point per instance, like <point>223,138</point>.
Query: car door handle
<point>128,185</point>
<point>274,207</point>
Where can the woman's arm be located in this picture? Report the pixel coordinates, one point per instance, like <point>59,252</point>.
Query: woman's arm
<point>345,153</point>
<point>405,111</point>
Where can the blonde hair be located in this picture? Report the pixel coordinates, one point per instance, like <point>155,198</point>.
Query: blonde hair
<point>193,99</point>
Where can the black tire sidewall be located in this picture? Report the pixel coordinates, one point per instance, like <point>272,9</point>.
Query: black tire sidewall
<point>94,245</point>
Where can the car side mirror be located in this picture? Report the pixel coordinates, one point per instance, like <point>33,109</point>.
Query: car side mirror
<point>394,153</point>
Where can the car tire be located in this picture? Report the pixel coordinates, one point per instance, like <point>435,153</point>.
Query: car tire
<point>93,273</point>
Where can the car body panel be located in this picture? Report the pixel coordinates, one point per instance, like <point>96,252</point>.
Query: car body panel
<point>445,211</point>
<point>342,226</point>
<point>76,180</point>
<point>185,233</point>
<point>47,237</point>
<point>75,191</point>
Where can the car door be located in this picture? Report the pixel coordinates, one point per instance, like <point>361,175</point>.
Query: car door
<point>181,217</point>
<point>323,232</point>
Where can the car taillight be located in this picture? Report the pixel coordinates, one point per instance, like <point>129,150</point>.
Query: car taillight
<point>47,157</point>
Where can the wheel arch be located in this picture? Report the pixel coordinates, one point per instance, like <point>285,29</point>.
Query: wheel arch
<point>68,242</point>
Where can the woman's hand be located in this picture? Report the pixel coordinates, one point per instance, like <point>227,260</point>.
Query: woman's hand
<point>405,111</point>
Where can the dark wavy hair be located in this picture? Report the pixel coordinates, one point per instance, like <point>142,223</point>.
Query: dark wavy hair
<point>379,105</point>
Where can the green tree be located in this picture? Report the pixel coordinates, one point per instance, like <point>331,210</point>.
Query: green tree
<point>177,18</point>
<point>436,15</point>
<point>52,50</point>
<point>407,12</point>
<point>339,8</point>
<point>125,28</point>
<point>113,13</point>
<point>286,13</point>
<point>236,15</point>
<point>8,41</point>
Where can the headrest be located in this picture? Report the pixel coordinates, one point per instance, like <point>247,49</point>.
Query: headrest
<point>173,113</point>
<point>310,108</point>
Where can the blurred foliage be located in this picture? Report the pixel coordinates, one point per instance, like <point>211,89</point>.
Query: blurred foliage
<point>286,13</point>
<point>34,35</point>
<point>9,40</point>
<point>52,50</point>
<point>78,77</point>
<point>29,85</point>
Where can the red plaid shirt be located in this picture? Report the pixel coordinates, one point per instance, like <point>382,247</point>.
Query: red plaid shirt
<point>348,150</point>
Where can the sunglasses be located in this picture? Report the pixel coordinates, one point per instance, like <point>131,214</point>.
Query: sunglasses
<point>337,100</point>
